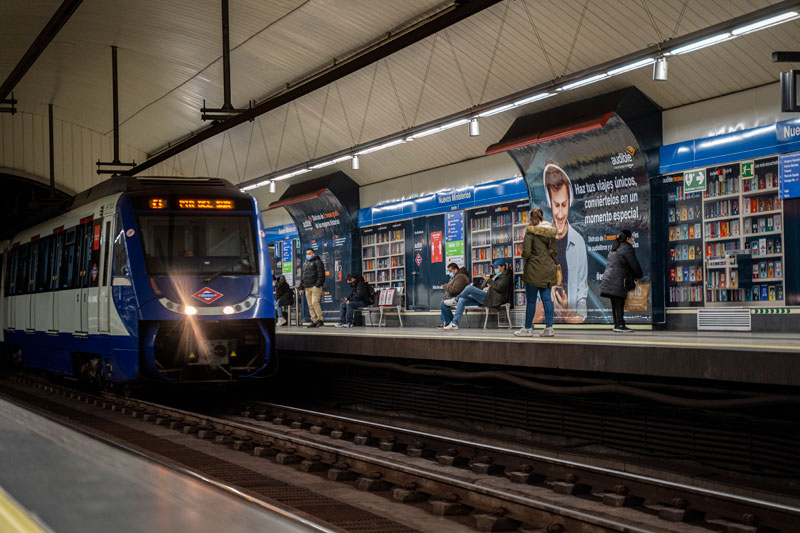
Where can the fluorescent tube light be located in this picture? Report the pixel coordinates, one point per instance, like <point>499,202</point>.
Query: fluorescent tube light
<point>381,146</point>
<point>496,110</point>
<point>700,44</point>
<point>581,83</point>
<point>534,98</point>
<point>766,23</point>
<point>291,174</point>
<point>632,66</point>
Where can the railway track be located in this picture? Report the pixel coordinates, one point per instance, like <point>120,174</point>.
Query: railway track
<point>497,489</point>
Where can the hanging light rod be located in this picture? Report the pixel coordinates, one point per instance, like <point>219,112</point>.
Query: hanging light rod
<point>762,18</point>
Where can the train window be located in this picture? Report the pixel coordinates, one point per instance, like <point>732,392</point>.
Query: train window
<point>107,240</point>
<point>68,260</point>
<point>11,271</point>
<point>93,254</point>
<point>58,252</point>
<point>198,245</point>
<point>120,259</point>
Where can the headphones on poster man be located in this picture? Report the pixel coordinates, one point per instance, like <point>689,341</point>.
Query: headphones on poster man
<point>544,182</point>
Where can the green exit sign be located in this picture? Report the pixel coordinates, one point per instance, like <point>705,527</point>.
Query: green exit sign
<point>694,181</point>
<point>746,170</point>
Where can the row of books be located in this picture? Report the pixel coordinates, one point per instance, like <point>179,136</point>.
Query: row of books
<point>686,294</point>
<point>684,213</point>
<point>384,236</point>
<point>481,254</point>
<point>684,232</point>
<point>519,299</point>
<point>396,274</point>
<point>718,249</point>
<point>758,183</point>
<point>481,239</point>
<point>722,208</point>
<point>481,269</point>
<point>520,217</point>
<point>502,220</point>
<point>759,204</point>
<point>390,262</point>
<point>723,295</point>
<point>519,234</point>
<point>719,279</point>
<point>764,246</point>
<point>719,186</point>
<point>685,252</point>
<point>767,269</point>
<point>762,224</point>
<point>724,228</point>
<point>499,252</point>
<point>482,223</point>
<point>764,293</point>
<point>686,274</point>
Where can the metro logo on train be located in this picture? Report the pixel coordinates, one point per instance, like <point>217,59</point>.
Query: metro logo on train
<point>207,295</point>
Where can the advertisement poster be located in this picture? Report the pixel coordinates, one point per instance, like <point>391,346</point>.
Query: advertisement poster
<point>286,261</point>
<point>454,238</point>
<point>436,247</point>
<point>591,186</point>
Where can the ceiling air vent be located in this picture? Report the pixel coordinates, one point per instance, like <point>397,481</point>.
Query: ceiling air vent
<point>729,319</point>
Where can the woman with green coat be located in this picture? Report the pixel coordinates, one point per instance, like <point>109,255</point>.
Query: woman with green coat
<point>540,274</point>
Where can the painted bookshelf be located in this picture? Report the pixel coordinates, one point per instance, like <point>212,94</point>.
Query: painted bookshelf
<point>383,256</point>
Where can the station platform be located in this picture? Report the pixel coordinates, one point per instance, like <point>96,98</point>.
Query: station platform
<point>756,358</point>
<point>55,479</point>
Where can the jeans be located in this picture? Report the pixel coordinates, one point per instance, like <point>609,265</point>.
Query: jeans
<point>471,296</point>
<point>278,312</point>
<point>531,291</point>
<point>446,315</point>
<point>313,296</point>
<point>347,309</point>
<point>618,311</point>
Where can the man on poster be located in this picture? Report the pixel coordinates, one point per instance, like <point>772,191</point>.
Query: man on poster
<point>569,301</point>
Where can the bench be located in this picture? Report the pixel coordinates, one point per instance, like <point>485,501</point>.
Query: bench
<point>390,299</point>
<point>502,309</point>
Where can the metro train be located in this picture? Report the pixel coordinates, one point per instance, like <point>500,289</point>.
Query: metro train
<point>143,280</point>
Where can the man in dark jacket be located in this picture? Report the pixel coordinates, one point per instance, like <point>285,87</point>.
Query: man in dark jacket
<point>497,292</point>
<point>359,298</point>
<point>622,270</point>
<point>459,278</point>
<point>283,299</point>
<point>313,279</point>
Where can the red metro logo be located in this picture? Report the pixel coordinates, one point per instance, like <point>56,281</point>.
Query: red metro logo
<point>207,295</point>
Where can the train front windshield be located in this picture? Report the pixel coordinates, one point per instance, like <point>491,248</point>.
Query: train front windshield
<point>198,245</point>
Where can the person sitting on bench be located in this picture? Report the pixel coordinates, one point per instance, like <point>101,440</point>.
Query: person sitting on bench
<point>459,278</point>
<point>359,298</point>
<point>495,294</point>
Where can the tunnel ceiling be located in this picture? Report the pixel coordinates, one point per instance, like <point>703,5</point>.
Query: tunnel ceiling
<point>170,62</point>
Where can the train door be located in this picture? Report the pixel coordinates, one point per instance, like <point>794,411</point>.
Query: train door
<point>91,310</point>
<point>11,272</point>
<point>104,277</point>
<point>66,297</point>
<point>22,304</point>
<point>83,256</point>
<point>58,258</point>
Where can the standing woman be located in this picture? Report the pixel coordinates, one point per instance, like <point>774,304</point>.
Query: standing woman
<point>622,270</point>
<point>540,274</point>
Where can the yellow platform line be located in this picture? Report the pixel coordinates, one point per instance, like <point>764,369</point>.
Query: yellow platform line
<point>591,341</point>
<point>15,519</point>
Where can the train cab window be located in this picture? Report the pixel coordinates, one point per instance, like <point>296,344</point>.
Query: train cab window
<point>198,245</point>
<point>120,257</point>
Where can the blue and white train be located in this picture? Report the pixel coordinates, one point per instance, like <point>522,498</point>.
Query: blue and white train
<point>141,279</point>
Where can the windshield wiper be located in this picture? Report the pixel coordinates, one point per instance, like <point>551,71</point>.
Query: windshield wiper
<point>223,269</point>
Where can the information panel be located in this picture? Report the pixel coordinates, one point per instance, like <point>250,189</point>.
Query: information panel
<point>454,238</point>
<point>789,175</point>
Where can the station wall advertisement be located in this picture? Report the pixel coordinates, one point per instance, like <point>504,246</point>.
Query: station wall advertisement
<point>591,186</point>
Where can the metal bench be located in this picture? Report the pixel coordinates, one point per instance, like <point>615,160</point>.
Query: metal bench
<point>503,308</point>
<point>395,305</point>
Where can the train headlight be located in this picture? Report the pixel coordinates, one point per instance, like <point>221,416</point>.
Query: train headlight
<point>228,310</point>
<point>189,310</point>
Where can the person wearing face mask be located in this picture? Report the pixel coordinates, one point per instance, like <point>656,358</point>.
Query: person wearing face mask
<point>495,294</point>
<point>459,278</point>
<point>359,298</point>
<point>622,271</point>
<point>313,279</point>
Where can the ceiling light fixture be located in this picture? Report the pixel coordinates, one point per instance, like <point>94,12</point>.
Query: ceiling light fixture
<point>583,82</point>
<point>381,147</point>
<point>272,187</point>
<point>699,44</point>
<point>632,66</point>
<point>354,163</point>
<point>474,128</point>
<point>766,23</point>
<point>660,69</point>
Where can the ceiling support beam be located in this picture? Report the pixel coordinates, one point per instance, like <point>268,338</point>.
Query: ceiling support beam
<point>102,167</point>
<point>56,22</point>
<point>52,152</point>
<point>227,110</point>
<point>458,11</point>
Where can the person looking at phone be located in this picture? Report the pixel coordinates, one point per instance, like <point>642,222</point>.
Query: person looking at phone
<point>540,273</point>
<point>569,299</point>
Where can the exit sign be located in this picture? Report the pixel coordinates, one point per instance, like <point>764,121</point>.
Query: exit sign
<point>746,170</point>
<point>694,181</point>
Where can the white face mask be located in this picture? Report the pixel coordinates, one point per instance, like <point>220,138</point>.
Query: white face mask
<point>496,271</point>
<point>308,257</point>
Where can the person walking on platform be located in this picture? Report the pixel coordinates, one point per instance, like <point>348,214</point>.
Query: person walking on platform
<point>459,278</point>
<point>284,298</point>
<point>622,271</point>
<point>359,298</point>
<point>313,279</point>
<point>496,293</point>
<point>540,274</point>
